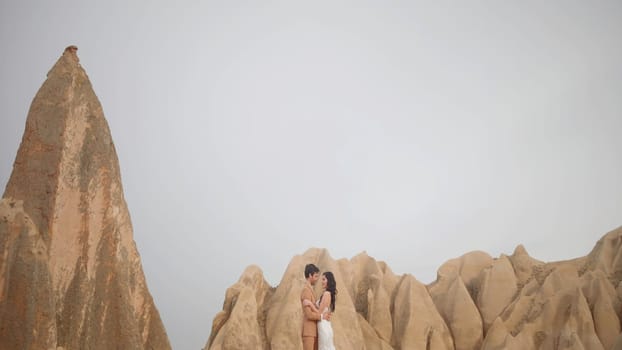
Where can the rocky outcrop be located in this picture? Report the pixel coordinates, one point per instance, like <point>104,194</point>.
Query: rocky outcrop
<point>498,285</point>
<point>70,274</point>
<point>243,327</point>
<point>417,323</point>
<point>476,302</point>
<point>458,309</point>
<point>454,293</point>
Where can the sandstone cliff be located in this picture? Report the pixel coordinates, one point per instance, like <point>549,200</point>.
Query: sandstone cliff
<point>70,274</point>
<point>476,302</point>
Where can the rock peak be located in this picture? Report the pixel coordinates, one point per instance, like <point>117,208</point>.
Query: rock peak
<point>68,63</point>
<point>83,287</point>
<point>520,250</point>
<point>72,51</point>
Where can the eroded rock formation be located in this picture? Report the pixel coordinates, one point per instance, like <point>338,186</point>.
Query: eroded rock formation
<point>476,302</point>
<point>70,274</point>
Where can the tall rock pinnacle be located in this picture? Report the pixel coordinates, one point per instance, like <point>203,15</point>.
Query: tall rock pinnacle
<point>70,274</point>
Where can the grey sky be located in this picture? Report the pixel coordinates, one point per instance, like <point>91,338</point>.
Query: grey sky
<point>248,132</point>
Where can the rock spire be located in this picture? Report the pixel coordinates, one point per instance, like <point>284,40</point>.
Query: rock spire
<point>70,273</point>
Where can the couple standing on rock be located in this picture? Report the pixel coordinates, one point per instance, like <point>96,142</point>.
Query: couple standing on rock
<point>317,332</point>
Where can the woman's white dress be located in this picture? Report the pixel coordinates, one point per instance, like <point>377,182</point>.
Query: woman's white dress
<point>325,334</point>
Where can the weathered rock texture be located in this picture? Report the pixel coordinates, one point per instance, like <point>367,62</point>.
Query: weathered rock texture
<point>70,274</point>
<point>476,302</point>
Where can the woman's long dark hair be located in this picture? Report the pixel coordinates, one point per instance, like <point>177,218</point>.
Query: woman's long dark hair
<point>331,286</point>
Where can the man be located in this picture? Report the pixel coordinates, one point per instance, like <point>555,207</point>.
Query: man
<point>310,317</point>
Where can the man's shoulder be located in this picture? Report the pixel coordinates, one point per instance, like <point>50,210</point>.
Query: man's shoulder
<point>306,292</point>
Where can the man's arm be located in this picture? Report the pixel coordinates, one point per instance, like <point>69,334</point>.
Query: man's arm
<point>307,310</point>
<point>307,302</point>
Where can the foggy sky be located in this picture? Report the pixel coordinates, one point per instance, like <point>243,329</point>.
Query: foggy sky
<point>248,132</point>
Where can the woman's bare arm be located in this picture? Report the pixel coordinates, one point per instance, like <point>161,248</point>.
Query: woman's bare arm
<point>325,302</point>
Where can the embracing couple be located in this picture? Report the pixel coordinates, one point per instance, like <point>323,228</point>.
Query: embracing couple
<point>317,332</point>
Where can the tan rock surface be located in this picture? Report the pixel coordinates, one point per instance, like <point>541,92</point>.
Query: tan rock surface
<point>497,288</point>
<point>523,265</point>
<point>24,276</point>
<point>525,303</point>
<point>603,302</point>
<point>416,322</point>
<point>453,292</point>
<point>244,314</point>
<point>468,267</point>
<point>70,274</point>
<point>457,308</point>
<point>370,287</point>
<point>618,343</point>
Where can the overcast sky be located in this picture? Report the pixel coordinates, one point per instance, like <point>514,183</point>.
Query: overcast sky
<point>250,131</point>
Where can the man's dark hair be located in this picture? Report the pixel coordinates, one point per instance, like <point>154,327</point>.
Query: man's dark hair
<point>311,269</point>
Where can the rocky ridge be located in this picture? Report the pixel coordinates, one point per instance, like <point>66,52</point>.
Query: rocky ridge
<point>476,302</point>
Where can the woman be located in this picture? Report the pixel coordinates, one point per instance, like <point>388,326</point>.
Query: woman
<point>325,304</point>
